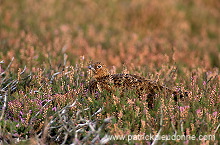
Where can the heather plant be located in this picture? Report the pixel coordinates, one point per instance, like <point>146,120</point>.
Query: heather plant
<point>57,107</point>
<point>37,105</point>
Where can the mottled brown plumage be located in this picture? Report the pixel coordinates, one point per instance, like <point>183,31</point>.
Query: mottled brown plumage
<point>103,80</point>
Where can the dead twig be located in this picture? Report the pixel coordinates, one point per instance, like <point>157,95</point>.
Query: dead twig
<point>160,130</point>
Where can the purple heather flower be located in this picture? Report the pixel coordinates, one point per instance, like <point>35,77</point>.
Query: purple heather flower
<point>178,89</point>
<point>183,108</point>
<point>198,111</point>
<point>215,113</point>
<point>22,119</point>
<point>54,109</point>
<point>186,142</point>
<point>21,112</point>
<point>16,134</point>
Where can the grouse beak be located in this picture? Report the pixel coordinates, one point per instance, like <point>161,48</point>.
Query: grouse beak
<point>92,68</point>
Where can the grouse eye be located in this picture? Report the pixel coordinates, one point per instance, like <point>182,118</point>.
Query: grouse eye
<point>99,66</point>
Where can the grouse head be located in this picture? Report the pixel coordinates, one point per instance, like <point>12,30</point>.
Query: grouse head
<point>99,70</point>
